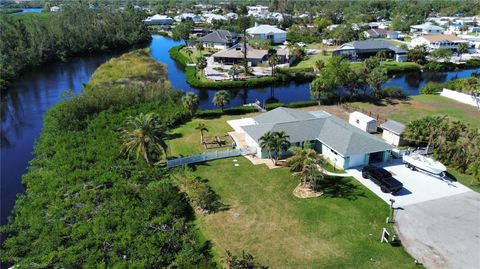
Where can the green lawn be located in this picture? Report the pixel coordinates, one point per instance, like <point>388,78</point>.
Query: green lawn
<point>311,59</point>
<point>186,139</point>
<point>424,105</point>
<point>341,229</point>
<point>197,53</point>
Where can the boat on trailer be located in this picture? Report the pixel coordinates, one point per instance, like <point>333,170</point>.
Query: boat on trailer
<point>424,163</point>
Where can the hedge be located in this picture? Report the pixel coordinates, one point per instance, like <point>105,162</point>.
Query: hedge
<point>431,88</point>
<point>213,113</point>
<point>283,75</point>
<point>271,106</point>
<point>303,104</point>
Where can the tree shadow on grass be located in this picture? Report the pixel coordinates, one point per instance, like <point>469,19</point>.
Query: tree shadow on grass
<point>340,187</point>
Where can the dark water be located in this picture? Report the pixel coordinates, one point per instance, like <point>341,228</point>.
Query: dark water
<point>33,93</point>
<point>410,82</point>
<point>30,10</point>
<point>36,91</point>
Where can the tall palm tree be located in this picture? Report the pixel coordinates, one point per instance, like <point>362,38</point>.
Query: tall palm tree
<point>143,135</point>
<point>190,102</point>
<point>273,61</point>
<point>221,99</point>
<point>462,47</point>
<point>268,141</point>
<point>319,65</point>
<point>202,128</point>
<point>382,55</point>
<point>283,143</point>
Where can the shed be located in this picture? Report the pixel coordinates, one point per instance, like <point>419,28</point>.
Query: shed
<point>393,132</point>
<point>363,122</point>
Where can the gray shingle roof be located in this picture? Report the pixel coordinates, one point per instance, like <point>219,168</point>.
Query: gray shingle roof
<point>301,126</point>
<point>373,44</point>
<point>219,36</point>
<point>393,126</point>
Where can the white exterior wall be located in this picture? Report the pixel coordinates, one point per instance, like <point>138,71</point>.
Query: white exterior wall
<point>215,45</point>
<point>335,158</point>
<point>461,97</point>
<point>278,38</point>
<point>367,126</point>
<point>356,160</point>
<point>391,138</point>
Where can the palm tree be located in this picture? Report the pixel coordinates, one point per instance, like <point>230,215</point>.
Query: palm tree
<point>310,173</point>
<point>299,155</point>
<point>283,143</point>
<point>268,141</point>
<point>319,65</point>
<point>202,128</point>
<point>273,61</point>
<point>382,55</point>
<point>462,47</point>
<point>201,62</point>
<point>221,99</point>
<point>190,102</point>
<point>275,143</point>
<point>142,136</point>
<point>234,71</point>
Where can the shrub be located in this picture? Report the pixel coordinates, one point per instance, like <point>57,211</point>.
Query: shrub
<point>303,104</point>
<point>431,88</point>
<point>393,92</point>
<point>440,66</point>
<point>472,63</point>
<point>273,106</point>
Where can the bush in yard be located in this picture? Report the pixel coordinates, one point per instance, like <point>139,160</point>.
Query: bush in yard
<point>303,104</point>
<point>431,88</point>
<point>272,106</point>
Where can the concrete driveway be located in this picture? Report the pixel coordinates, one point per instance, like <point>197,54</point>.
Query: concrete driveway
<point>437,221</point>
<point>443,233</point>
<point>418,187</point>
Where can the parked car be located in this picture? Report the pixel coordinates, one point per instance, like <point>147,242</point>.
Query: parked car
<point>382,178</point>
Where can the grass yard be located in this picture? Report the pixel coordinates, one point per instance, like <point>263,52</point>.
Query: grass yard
<point>423,105</point>
<point>341,229</point>
<point>195,54</point>
<point>311,59</point>
<point>186,139</point>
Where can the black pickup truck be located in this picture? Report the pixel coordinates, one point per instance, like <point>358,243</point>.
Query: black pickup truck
<point>382,178</point>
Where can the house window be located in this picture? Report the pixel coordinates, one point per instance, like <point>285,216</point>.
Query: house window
<point>357,121</point>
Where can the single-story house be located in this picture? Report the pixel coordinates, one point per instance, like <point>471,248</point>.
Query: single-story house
<point>188,16</point>
<point>376,33</point>
<point>219,39</point>
<point>393,132</point>
<point>55,9</point>
<point>427,28</point>
<point>363,122</point>
<point>210,17</point>
<point>342,144</point>
<point>158,19</point>
<point>234,55</point>
<point>268,32</point>
<point>433,42</point>
<point>359,50</point>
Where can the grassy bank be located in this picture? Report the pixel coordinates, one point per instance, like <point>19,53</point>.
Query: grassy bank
<point>89,205</point>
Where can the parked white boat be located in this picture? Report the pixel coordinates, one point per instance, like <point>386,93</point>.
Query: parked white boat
<point>424,163</point>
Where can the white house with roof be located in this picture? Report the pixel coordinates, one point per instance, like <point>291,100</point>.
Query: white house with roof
<point>427,28</point>
<point>268,32</point>
<point>158,19</point>
<point>340,143</point>
<point>210,17</point>
<point>433,42</point>
<point>393,132</point>
<point>188,16</point>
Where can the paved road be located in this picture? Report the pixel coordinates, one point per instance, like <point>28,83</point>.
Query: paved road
<point>443,233</point>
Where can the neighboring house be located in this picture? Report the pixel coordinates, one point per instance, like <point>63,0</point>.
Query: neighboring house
<point>379,24</point>
<point>339,142</point>
<point>231,16</point>
<point>427,28</point>
<point>268,32</point>
<point>376,33</point>
<point>393,132</point>
<point>158,19</point>
<point>209,17</point>
<point>219,39</point>
<point>255,10</point>
<point>433,42</point>
<point>363,122</point>
<point>359,50</point>
<point>188,16</point>
<point>55,9</point>
<point>234,55</point>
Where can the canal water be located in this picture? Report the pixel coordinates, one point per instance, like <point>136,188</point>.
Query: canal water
<point>30,10</point>
<point>35,91</point>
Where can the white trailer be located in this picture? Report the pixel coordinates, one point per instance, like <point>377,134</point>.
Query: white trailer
<point>363,122</point>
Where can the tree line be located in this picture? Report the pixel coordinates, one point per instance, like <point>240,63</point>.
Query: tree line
<point>29,40</point>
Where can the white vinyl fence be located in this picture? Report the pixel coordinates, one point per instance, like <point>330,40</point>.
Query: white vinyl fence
<point>208,156</point>
<point>462,97</point>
